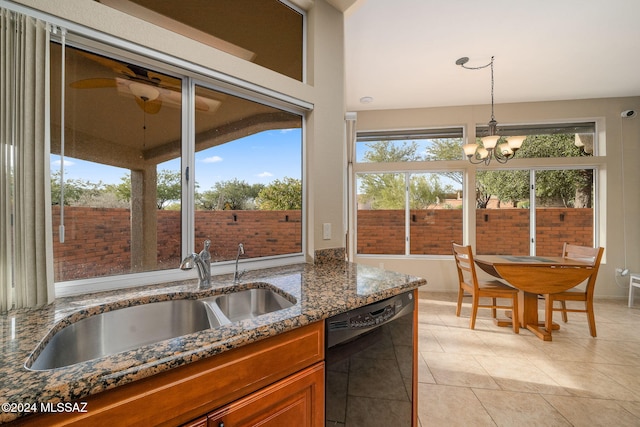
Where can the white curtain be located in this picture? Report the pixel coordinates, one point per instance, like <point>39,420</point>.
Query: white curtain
<point>26,261</point>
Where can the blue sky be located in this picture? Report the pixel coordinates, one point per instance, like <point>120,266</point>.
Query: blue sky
<point>260,158</point>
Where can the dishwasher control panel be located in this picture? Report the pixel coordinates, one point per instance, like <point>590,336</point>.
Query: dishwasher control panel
<point>346,326</point>
<point>371,319</point>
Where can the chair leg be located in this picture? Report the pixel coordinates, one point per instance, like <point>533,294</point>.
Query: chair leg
<point>548,312</point>
<point>474,311</point>
<point>564,311</point>
<point>515,321</point>
<point>591,317</point>
<point>460,296</point>
<point>494,312</point>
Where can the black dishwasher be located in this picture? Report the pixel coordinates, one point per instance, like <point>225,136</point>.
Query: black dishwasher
<point>369,365</point>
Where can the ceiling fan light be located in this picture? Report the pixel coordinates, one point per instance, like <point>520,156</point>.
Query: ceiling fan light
<point>144,92</point>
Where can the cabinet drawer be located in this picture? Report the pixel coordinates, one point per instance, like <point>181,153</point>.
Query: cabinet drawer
<point>296,401</point>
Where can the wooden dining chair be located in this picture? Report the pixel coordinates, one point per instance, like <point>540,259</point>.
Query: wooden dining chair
<point>582,253</point>
<point>469,283</point>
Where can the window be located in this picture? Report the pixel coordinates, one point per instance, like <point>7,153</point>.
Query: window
<point>410,192</point>
<point>248,173</point>
<point>126,183</point>
<point>409,146</point>
<point>417,212</point>
<point>408,213</point>
<point>539,208</point>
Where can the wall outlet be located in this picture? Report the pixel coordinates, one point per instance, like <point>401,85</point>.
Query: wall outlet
<point>326,231</point>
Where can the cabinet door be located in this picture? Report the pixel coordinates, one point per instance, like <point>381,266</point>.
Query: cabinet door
<point>296,401</point>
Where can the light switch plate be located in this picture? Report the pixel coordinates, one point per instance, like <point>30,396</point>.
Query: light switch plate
<point>326,231</point>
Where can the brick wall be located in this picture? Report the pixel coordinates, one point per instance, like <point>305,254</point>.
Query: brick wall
<point>498,231</point>
<point>97,240</point>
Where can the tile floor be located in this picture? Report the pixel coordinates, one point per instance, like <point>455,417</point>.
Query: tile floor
<point>492,377</point>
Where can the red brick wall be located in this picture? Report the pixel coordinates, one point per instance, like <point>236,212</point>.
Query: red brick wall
<point>97,240</point>
<point>498,231</point>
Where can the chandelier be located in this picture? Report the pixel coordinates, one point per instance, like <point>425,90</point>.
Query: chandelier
<point>491,148</point>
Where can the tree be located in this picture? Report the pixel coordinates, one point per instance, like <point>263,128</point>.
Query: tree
<point>426,190</point>
<point>389,151</point>
<point>387,190</point>
<point>281,195</point>
<point>229,195</point>
<point>553,187</point>
<point>168,188</point>
<point>76,191</point>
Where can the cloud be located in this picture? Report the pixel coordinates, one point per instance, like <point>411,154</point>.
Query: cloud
<point>265,174</point>
<point>212,159</point>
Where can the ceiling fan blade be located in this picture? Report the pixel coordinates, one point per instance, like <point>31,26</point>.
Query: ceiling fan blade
<point>149,107</point>
<point>117,66</point>
<point>93,83</point>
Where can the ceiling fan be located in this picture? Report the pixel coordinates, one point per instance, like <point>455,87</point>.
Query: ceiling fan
<point>150,89</point>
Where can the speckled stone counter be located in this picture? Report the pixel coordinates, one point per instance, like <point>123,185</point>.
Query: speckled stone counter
<point>320,291</point>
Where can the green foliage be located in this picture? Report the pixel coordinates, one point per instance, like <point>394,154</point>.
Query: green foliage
<point>169,187</point>
<point>76,191</point>
<point>387,190</point>
<point>281,195</point>
<point>229,195</point>
<point>507,186</point>
<point>426,190</point>
<point>122,190</point>
<point>390,151</point>
<point>445,149</point>
<point>382,190</point>
<point>553,187</point>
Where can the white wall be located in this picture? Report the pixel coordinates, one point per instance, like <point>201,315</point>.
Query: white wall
<point>621,143</point>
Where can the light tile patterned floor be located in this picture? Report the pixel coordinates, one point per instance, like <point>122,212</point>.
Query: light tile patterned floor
<point>492,377</point>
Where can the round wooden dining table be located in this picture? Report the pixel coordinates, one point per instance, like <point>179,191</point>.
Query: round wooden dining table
<point>532,276</point>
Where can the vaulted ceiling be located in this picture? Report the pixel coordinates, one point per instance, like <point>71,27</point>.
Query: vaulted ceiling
<point>402,53</point>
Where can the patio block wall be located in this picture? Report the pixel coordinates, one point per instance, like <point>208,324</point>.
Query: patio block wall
<point>498,231</point>
<point>97,239</point>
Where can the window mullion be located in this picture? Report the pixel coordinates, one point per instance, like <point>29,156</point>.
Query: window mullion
<point>188,166</point>
<point>407,215</point>
<point>532,212</point>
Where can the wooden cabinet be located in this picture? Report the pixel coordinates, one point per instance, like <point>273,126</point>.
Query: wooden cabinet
<point>195,390</point>
<point>296,401</point>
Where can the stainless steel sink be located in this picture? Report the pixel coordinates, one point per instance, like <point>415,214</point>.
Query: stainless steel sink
<point>121,330</point>
<point>247,304</point>
<point>128,328</point>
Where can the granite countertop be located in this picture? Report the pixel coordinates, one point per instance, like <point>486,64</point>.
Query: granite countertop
<point>321,290</point>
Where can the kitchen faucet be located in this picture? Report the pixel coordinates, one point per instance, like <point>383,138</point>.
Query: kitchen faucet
<point>236,275</point>
<point>202,262</point>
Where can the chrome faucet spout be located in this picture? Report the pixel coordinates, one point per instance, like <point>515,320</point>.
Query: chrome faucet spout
<point>237,275</point>
<point>202,262</point>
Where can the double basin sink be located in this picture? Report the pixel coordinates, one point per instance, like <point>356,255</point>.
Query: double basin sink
<point>128,328</point>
